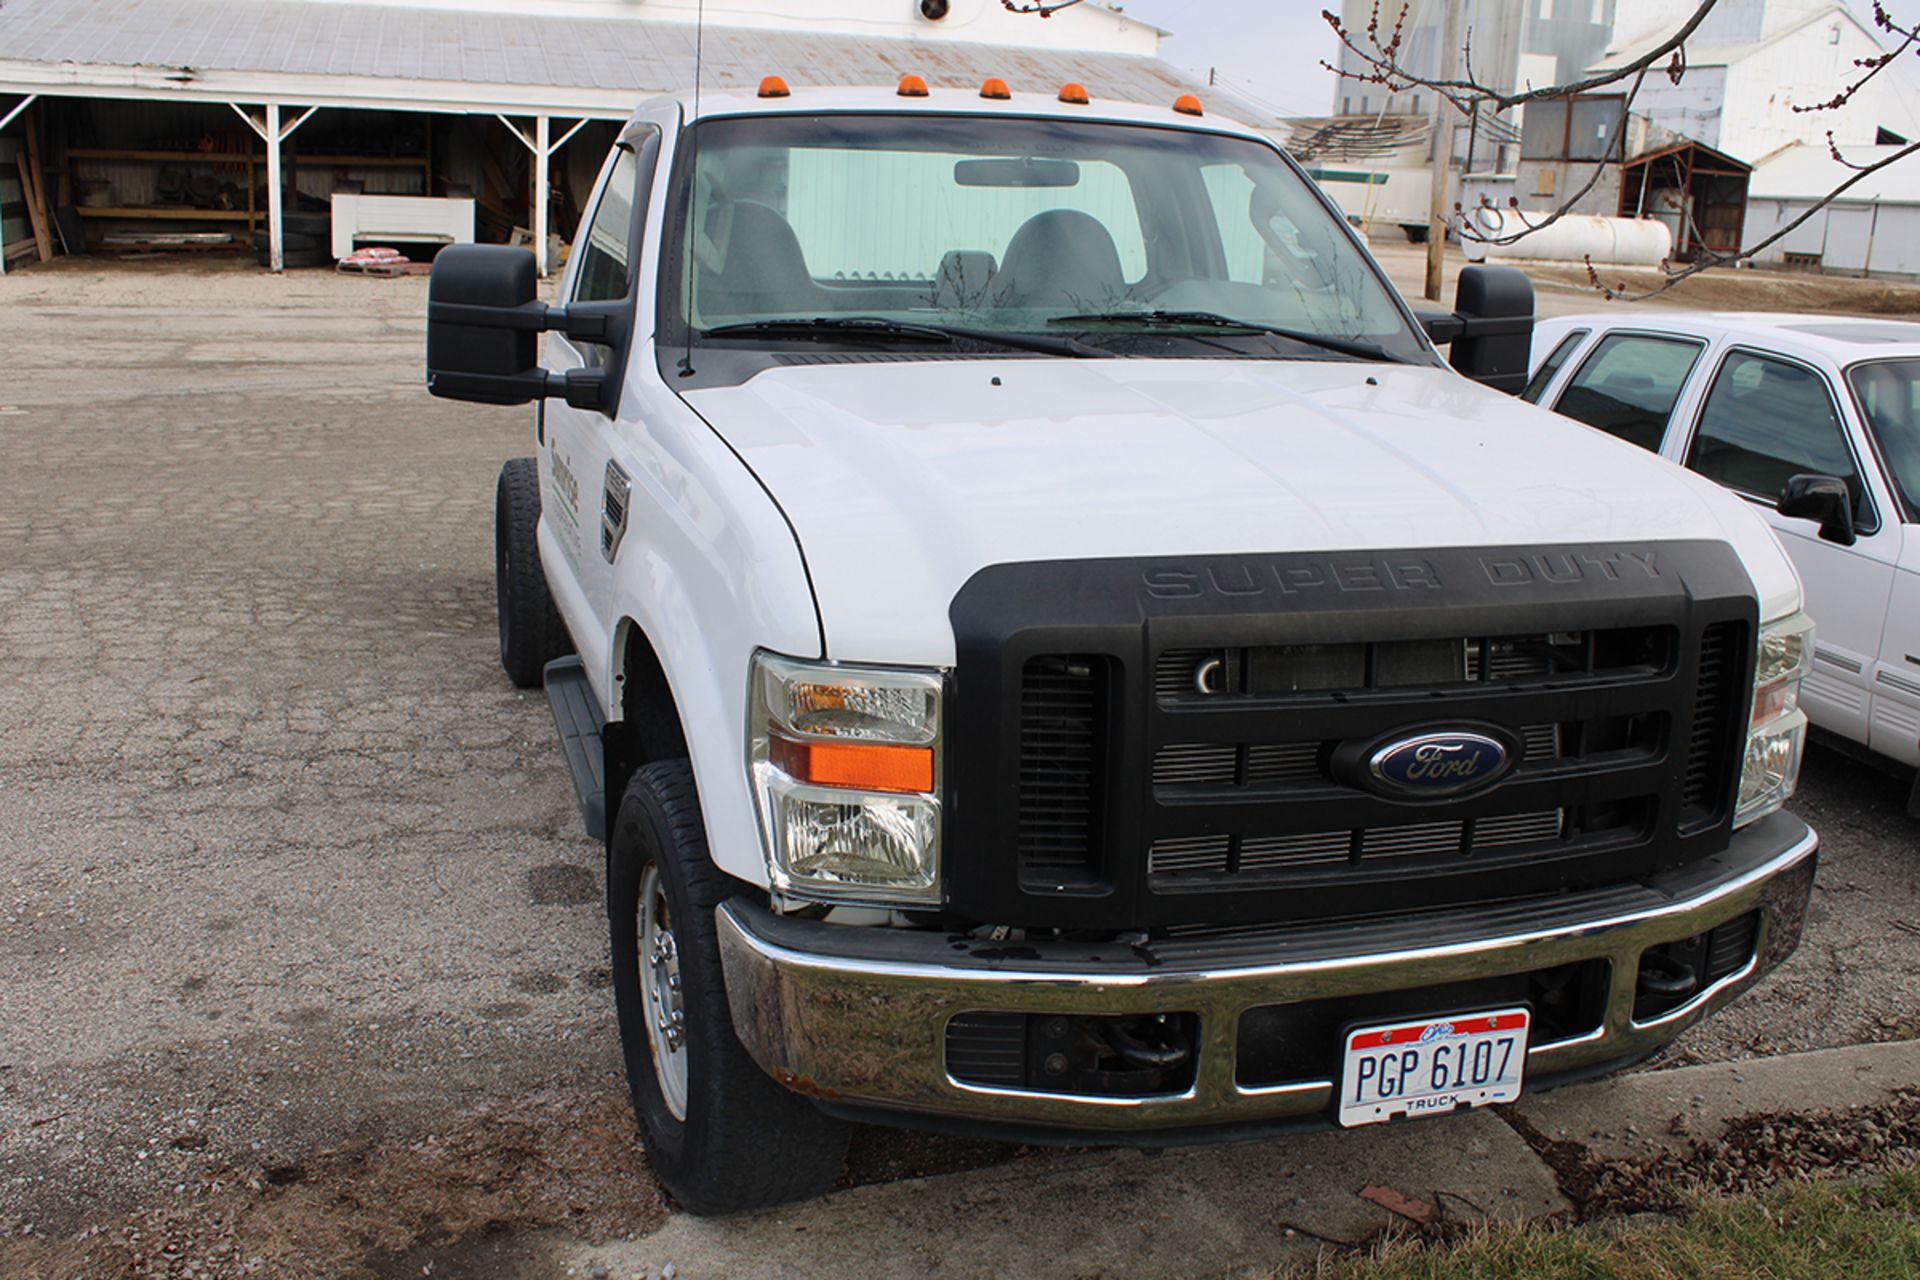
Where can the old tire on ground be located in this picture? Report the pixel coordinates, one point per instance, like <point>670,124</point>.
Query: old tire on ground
<point>316,223</point>
<point>531,633</point>
<point>720,1134</point>
<point>296,250</point>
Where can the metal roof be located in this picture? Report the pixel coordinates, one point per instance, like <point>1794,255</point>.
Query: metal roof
<point>380,55</point>
<point>1805,171</point>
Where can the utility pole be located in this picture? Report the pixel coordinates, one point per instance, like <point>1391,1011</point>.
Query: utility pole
<point>1442,149</point>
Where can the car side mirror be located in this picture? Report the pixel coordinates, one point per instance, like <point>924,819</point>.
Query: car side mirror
<point>1822,498</point>
<point>1491,326</point>
<point>484,320</point>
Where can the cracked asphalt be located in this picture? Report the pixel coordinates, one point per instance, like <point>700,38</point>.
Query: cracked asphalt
<point>292,886</point>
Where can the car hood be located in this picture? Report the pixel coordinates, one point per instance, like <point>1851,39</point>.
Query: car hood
<point>902,479</point>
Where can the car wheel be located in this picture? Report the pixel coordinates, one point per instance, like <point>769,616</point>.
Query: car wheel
<point>721,1135</point>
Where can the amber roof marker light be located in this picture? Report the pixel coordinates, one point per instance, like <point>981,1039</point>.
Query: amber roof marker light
<point>995,88</point>
<point>912,86</point>
<point>774,87</point>
<point>1075,93</point>
<point>1188,105</point>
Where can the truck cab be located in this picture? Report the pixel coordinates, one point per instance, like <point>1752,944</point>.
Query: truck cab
<point>1054,651</point>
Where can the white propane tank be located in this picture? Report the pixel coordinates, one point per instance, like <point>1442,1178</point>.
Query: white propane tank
<point>1624,242</point>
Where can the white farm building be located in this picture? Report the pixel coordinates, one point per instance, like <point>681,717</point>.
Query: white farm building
<point>179,123</point>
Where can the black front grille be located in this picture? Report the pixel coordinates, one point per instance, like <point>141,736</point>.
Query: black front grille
<point>1062,715</point>
<point>1710,758</point>
<point>1176,756</point>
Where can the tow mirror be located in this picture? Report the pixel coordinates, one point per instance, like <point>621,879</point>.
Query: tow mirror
<point>1490,328</point>
<point>1822,498</point>
<point>484,320</point>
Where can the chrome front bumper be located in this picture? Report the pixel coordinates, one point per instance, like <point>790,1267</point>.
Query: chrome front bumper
<point>858,1015</point>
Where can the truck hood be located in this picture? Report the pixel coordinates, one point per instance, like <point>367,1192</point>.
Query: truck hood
<point>904,478</point>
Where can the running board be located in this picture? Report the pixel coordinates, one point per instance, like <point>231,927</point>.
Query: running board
<point>576,713</point>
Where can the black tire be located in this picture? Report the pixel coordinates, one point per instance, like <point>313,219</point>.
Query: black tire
<point>531,633</point>
<point>291,242</point>
<point>319,226</point>
<point>745,1142</point>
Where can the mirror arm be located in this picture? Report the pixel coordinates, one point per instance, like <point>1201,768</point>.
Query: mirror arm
<point>1492,326</point>
<point>596,322</point>
<point>583,388</point>
<point>527,316</point>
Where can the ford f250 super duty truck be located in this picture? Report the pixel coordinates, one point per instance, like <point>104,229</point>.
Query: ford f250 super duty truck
<point>1053,651</point>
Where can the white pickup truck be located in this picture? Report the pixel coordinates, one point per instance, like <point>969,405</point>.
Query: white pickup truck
<point>1053,651</point>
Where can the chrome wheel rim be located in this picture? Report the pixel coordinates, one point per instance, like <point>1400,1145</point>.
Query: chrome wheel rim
<point>659,962</point>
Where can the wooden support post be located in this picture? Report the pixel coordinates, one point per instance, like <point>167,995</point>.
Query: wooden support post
<point>1442,155</point>
<point>36,218</point>
<point>542,155</point>
<point>36,192</point>
<point>276,236</point>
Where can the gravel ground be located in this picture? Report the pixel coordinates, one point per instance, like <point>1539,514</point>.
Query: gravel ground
<point>301,954</point>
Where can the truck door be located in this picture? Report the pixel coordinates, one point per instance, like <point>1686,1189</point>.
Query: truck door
<point>1767,418</point>
<point>585,482</point>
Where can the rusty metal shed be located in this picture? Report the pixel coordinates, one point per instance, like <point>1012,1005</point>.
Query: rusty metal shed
<point>1699,192</point>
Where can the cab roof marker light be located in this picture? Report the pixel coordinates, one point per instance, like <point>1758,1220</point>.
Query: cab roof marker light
<point>1188,105</point>
<point>1075,94</point>
<point>774,87</point>
<point>995,88</point>
<point>912,86</point>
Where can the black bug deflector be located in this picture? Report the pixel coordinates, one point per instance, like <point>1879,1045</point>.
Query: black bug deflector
<point>1183,742</point>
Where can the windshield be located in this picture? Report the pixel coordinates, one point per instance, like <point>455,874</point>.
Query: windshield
<point>1888,393</point>
<point>846,229</point>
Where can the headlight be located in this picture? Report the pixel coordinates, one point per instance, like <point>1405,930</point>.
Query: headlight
<point>846,769</point>
<point>1776,727</point>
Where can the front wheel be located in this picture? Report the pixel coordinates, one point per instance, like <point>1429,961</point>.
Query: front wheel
<point>720,1134</point>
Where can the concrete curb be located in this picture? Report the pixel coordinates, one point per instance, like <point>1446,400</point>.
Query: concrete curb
<point>1240,1209</point>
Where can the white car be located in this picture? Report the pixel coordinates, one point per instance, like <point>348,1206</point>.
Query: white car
<point>1053,650</point>
<point>1771,406</point>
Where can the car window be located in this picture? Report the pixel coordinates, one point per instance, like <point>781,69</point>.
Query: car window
<point>1107,234</point>
<point>607,241</point>
<point>1628,385</point>
<point>1767,420</point>
<point>892,215</point>
<point>1537,385</point>
<point>1888,392</point>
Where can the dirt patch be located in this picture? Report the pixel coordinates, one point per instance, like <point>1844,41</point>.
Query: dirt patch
<point>1727,289</point>
<point>559,1160</point>
<point>1755,1153</point>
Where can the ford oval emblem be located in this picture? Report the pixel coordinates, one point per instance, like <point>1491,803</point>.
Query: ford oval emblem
<point>1430,765</point>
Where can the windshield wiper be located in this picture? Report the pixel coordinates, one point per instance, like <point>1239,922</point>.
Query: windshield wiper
<point>879,329</point>
<point>1214,320</point>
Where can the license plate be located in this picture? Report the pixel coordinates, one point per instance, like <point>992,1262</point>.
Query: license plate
<point>1432,1066</point>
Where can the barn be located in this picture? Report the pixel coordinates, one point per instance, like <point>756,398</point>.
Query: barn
<point>298,126</point>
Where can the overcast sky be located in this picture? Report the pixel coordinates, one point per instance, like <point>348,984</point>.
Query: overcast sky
<point>1269,50</point>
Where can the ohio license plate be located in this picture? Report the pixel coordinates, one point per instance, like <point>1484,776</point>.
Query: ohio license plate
<point>1432,1066</point>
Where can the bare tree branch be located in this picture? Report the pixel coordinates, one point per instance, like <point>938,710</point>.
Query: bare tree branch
<point>1387,69</point>
<point>1874,66</point>
<point>1618,156</point>
<point>1710,258</point>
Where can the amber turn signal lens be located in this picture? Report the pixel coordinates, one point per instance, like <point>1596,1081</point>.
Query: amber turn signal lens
<point>863,766</point>
<point>1074,93</point>
<point>995,87</point>
<point>912,86</point>
<point>774,87</point>
<point>1188,105</point>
